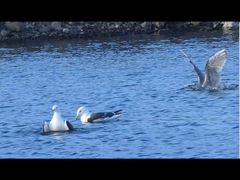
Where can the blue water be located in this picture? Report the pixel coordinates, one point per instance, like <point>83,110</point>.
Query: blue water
<point>143,75</point>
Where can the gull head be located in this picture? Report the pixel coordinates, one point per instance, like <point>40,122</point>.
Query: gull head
<point>55,108</point>
<point>80,111</point>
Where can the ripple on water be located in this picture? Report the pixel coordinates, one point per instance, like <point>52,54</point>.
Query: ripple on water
<point>196,87</point>
<point>161,119</point>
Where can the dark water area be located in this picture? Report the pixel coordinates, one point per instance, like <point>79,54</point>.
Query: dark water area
<point>143,75</point>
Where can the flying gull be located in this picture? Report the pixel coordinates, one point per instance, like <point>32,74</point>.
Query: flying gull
<point>57,123</point>
<point>86,117</point>
<point>211,77</point>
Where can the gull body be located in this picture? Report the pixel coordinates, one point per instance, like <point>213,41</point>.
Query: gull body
<point>56,123</point>
<point>87,117</point>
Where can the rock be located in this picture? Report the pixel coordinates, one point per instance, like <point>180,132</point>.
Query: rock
<point>74,32</point>
<point>117,25</point>
<point>16,26</point>
<point>217,25</point>
<point>20,26</point>
<point>16,36</point>
<point>162,24</point>
<point>46,29</point>
<point>195,23</point>
<point>230,25</point>
<point>92,29</point>
<point>143,25</point>
<point>65,30</point>
<point>157,24</point>
<point>29,26</point>
<point>80,28</point>
<point>10,26</point>
<point>56,25</point>
<point>4,33</point>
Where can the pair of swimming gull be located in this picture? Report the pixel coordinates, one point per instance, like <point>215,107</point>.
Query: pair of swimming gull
<point>211,78</point>
<point>58,124</point>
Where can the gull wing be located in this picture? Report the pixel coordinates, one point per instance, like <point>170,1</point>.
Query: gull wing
<point>69,125</point>
<point>212,68</point>
<point>45,128</point>
<point>199,73</point>
<point>217,61</point>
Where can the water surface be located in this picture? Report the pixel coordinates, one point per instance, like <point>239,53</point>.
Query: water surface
<point>143,75</point>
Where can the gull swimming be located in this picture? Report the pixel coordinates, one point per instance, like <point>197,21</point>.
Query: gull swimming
<point>211,77</point>
<point>56,123</point>
<point>87,117</point>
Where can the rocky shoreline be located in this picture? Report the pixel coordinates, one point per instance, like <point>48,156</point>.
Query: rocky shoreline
<point>27,31</point>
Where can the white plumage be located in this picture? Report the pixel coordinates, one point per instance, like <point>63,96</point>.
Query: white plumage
<point>56,123</point>
<point>212,68</point>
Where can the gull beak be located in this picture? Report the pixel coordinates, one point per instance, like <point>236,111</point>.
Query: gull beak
<point>76,116</point>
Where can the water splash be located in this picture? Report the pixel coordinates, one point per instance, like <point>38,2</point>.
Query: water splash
<point>197,87</point>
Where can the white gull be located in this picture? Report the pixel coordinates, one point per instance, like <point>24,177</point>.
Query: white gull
<point>56,123</point>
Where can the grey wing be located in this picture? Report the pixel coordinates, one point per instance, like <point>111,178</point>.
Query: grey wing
<point>212,68</point>
<point>199,73</point>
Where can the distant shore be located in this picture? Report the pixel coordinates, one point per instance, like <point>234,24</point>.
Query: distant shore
<point>27,31</point>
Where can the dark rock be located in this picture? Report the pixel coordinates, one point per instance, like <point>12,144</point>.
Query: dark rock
<point>16,26</point>
<point>20,26</point>
<point>56,25</point>
<point>91,29</point>
<point>66,30</point>
<point>4,33</point>
<point>10,26</point>
<point>47,29</point>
